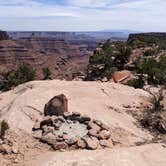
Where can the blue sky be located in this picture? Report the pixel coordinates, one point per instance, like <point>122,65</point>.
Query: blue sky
<point>83,15</point>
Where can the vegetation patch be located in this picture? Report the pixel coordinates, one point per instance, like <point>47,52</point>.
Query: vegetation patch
<point>13,78</point>
<point>154,118</point>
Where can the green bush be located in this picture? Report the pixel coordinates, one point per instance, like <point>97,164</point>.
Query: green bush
<point>3,127</point>
<point>155,70</point>
<point>137,82</point>
<point>13,78</point>
<point>150,53</point>
<point>152,118</point>
<point>112,56</point>
<point>46,73</point>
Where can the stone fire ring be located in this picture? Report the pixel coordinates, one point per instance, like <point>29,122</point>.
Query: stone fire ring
<point>73,131</point>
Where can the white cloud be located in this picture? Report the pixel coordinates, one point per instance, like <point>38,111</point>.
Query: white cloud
<point>19,2</point>
<point>148,15</point>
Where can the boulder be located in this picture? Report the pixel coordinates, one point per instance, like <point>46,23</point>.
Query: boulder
<point>122,76</point>
<point>58,105</point>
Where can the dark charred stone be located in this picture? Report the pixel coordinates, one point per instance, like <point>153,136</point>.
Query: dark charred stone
<point>58,105</point>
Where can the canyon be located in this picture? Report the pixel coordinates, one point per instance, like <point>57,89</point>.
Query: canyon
<point>64,59</point>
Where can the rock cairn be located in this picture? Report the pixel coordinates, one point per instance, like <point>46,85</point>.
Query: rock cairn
<point>71,131</point>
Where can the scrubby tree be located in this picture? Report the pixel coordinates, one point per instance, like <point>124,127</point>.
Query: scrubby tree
<point>46,73</point>
<point>13,78</point>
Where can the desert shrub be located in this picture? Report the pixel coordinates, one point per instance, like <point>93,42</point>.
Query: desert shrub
<point>150,53</point>
<point>152,117</point>
<point>13,78</point>
<point>155,70</point>
<point>156,100</point>
<point>137,43</point>
<point>137,82</point>
<point>46,73</point>
<point>3,127</point>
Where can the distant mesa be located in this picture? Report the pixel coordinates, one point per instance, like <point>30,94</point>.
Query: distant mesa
<point>4,35</point>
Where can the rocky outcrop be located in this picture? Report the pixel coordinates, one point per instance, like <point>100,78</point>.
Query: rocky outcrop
<point>147,37</point>
<point>61,58</point>
<point>4,35</point>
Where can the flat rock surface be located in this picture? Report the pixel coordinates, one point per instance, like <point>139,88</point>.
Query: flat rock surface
<point>147,155</point>
<point>108,102</point>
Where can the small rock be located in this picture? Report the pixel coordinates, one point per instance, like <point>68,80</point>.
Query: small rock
<point>104,134</point>
<point>60,118</point>
<point>69,121</point>
<point>54,119</point>
<point>1,141</point>
<point>46,121</point>
<point>16,161</point>
<point>91,144</point>
<point>93,132</point>
<point>66,137</point>
<point>76,114</point>
<point>60,146</point>
<point>48,129</point>
<point>71,141</point>
<point>66,115</point>
<point>85,118</point>
<point>94,126</point>
<point>36,126</point>
<point>98,122</point>
<point>15,148</point>
<point>106,143</point>
<point>37,134</point>
<point>50,139</point>
<point>6,149</point>
<point>81,144</point>
<point>105,127</point>
<point>60,139</point>
<point>74,118</point>
<point>162,127</point>
<point>57,125</point>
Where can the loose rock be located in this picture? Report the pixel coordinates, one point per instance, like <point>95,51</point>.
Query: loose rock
<point>104,134</point>
<point>91,144</point>
<point>93,132</point>
<point>56,106</point>
<point>106,143</point>
<point>81,144</point>
<point>60,146</point>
